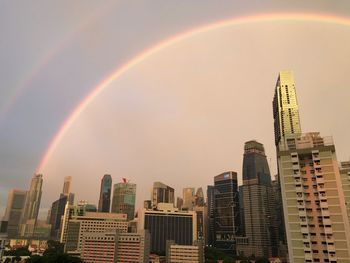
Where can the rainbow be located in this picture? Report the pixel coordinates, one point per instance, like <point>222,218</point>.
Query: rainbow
<point>302,17</point>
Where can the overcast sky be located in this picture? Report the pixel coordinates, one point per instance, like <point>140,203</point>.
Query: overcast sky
<point>183,114</point>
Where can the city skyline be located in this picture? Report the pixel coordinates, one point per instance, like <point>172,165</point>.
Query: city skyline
<point>178,106</point>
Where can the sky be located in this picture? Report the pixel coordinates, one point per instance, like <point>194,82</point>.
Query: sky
<point>180,115</point>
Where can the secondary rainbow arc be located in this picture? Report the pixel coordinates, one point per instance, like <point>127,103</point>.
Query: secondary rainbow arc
<point>303,17</point>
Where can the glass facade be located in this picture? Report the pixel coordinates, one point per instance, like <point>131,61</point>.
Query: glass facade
<point>227,219</point>
<point>124,195</point>
<point>172,226</point>
<point>105,194</point>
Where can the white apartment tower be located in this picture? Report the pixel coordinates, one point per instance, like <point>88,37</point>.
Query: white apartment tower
<point>316,222</point>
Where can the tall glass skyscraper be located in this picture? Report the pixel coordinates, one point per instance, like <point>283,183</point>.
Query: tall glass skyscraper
<point>33,199</point>
<point>226,212</point>
<point>124,199</point>
<point>105,194</point>
<point>258,202</point>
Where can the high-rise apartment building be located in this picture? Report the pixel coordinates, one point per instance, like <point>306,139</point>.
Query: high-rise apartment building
<point>123,202</point>
<point>163,225</point>
<point>162,193</point>
<point>316,222</point>
<point>226,211</point>
<point>285,108</point>
<point>258,202</point>
<point>345,177</point>
<point>105,194</point>
<point>14,211</point>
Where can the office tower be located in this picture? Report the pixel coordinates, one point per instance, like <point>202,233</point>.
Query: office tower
<point>92,222</point>
<point>105,194</point>
<point>210,230</point>
<point>57,211</point>
<point>58,207</point>
<point>201,214</point>
<point>199,197</point>
<point>3,238</point>
<point>188,198</point>
<point>179,203</point>
<point>226,211</point>
<point>184,253</point>
<point>285,109</point>
<point>124,199</point>
<point>163,225</point>
<point>258,202</point>
<point>33,198</point>
<point>66,185</point>
<point>14,211</point>
<point>132,247</point>
<point>147,204</point>
<point>162,193</point>
<point>71,211</point>
<point>345,177</point>
<point>32,204</point>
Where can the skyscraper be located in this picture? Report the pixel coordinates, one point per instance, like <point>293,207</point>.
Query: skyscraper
<point>162,193</point>
<point>188,198</point>
<point>124,199</point>
<point>258,202</point>
<point>105,194</point>
<point>315,216</point>
<point>345,177</point>
<point>211,216</point>
<point>66,185</point>
<point>285,108</point>
<point>34,197</point>
<point>58,208</point>
<point>32,204</point>
<point>14,211</point>
<point>226,215</point>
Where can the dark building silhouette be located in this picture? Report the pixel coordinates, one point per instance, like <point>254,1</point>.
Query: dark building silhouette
<point>258,201</point>
<point>104,203</point>
<point>226,212</point>
<point>210,218</point>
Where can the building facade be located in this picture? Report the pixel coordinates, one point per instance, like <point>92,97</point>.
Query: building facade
<point>105,194</point>
<point>180,226</point>
<point>226,212</point>
<point>184,254</point>
<point>162,193</point>
<point>14,211</point>
<point>132,247</point>
<point>345,177</point>
<point>258,201</point>
<point>92,222</point>
<point>124,195</point>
